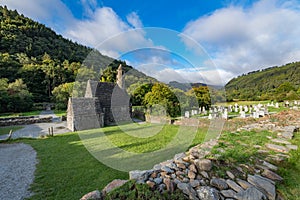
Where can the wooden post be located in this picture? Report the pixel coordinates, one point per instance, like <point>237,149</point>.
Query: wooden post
<point>49,132</point>
<point>52,130</point>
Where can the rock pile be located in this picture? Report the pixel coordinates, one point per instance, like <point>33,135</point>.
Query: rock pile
<point>197,176</point>
<point>193,174</point>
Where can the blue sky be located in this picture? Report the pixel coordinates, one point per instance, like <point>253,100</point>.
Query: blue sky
<point>219,39</point>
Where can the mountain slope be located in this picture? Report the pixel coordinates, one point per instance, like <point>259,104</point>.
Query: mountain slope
<point>265,84</point>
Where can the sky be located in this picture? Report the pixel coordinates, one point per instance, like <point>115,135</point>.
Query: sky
<point>187,41</point>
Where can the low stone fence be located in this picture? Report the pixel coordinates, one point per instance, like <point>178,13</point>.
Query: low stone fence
<point>12,121</point>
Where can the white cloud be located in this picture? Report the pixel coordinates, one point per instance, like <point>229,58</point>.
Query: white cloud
<point>245,39</point>
<point>134,20</point>
<point>43,11</point>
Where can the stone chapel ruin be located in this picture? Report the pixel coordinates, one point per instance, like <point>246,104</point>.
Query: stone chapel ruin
<point>104,104</point>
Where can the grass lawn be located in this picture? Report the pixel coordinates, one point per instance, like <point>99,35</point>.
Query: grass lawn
<point>29,113</point>
<point>5,130</point>
<point>60,113</point>
<point>66,169</point>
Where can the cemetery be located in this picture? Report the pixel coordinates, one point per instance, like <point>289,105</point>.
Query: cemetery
<point>145,113</point>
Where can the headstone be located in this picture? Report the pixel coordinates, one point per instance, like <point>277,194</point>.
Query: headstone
<point>209,116</point>
<point>272,104</point>
<point>246,109</point>
<point>276,105</point>
<point>187,114</point>
<point>242,114</point>
<point>225,114</point>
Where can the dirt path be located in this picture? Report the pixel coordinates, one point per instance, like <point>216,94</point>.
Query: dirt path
<point>17,166</point>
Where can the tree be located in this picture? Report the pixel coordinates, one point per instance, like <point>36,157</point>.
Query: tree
<point>61,95</point>
<point>20,99</point>
<point>138,95</point>
<point>162,95</point>
<point>202,96</point>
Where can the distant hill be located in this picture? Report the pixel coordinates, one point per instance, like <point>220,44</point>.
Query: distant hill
<point>187,86</point>
<point>274,83</point>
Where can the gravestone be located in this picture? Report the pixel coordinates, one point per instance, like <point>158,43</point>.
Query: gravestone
<point>187,114</point>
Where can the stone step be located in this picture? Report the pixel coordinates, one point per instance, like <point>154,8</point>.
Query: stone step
<point>277,148</point>
<point>280,141</point>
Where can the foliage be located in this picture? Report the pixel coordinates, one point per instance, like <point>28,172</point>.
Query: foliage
<point>162,95</point>
<point>202,95</point>
<point>138,95</point>
<point>61,95</point>
<point>269,84</point>
<point>14,96</point>
<point>132,191</point>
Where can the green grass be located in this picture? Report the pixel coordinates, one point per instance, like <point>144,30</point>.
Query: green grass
<point>5,130</point>
<point>66,170</point>
<point>23,114</point>
<point>290,171</point>
<point>133,191</point>
<point>60,113</point>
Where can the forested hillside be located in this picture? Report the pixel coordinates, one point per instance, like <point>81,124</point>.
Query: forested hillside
<point>37,65</point>
<point>274,83</point>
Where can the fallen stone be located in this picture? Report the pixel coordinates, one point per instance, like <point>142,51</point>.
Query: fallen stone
<point>233,185</point>
<point>167,169</point>
<point>204,174</point>
<point>280,141</point>
<point>178,157</point>
<point>251,193</point>
<point>263,185</point>
<point>158,180</point>
<point>195,183</point>
<point>244,184</point>
<point>193,168</point>
<point>228,193</point>
<point>287,135</point>
<point>203,165</point>
<point>188,190</point>
<point>94,195</point>
<point>208,193</point>
<point>230,175</point>
<point>151,184</point>
<point>270,166</point>
<point>191,175</point>
<point>112,185</point>
<point>272,175</point>
<point>219,183</point>
<point>292,147</point>
<point>169,184</point>
<point>277,148</point>
<point>140,176</point>
<point>181,166</point>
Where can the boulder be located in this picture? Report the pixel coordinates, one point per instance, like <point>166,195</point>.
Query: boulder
<point>208,193</point>
<point>233,185</point>
<point>112,185</point>
<point>264,185</point>
<point>140,176</point>
<point>219,183</point>
<point>203,165</point>
<point>251,193</point>
<point>94,195</point>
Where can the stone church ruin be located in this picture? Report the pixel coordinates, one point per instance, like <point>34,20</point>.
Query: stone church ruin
<point>104,103</point>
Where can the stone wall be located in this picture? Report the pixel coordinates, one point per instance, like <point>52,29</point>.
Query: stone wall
<point>23,120</point>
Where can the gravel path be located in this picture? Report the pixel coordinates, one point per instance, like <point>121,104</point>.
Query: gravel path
<point>18,160</point>
<point>17,166</point>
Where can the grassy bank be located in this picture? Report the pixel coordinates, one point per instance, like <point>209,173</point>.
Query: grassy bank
<point>5,130</point>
